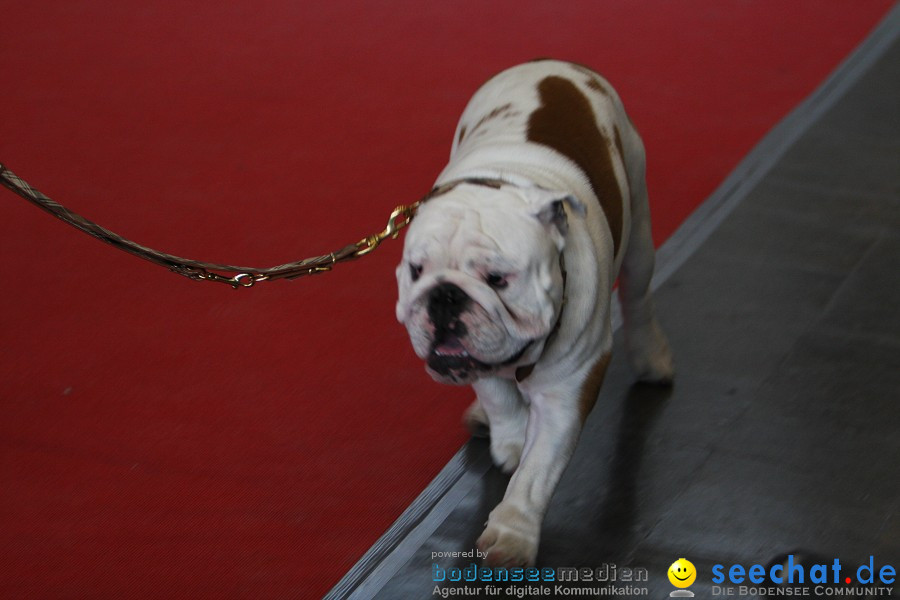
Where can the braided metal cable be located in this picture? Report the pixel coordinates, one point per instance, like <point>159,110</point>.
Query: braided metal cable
<point>193,269</point>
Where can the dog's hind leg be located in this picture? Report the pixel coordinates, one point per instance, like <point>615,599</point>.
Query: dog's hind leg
<point>648,350</point>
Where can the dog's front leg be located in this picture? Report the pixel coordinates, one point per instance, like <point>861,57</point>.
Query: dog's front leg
<point>507,417</point>
<point>513,528</point>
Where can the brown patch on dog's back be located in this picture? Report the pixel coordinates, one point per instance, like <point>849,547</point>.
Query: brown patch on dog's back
<point>590,389</point>
<point>595,85</point>
<point>593,81</point>
<point>618,140</point>
<point>497,112</point>
<point>566,123</point>
<point>621,149</point>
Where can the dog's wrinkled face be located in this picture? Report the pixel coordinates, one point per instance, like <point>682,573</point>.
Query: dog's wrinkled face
<point>480,283</point>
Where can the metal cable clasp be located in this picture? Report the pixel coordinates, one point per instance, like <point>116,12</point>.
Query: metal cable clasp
<point>238,281</point>
<point>399,219</point>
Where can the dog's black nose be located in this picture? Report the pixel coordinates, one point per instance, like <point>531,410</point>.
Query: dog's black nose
<point>445,303</point>
<point>447,294</point>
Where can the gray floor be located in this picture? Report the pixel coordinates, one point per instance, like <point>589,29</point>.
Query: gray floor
<point>782,432</point>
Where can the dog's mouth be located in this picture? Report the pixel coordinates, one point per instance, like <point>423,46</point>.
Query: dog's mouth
<point>450,362</point>
<point>450,347</point>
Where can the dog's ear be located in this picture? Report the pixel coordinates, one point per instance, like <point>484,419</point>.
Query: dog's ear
<point>551,210</point>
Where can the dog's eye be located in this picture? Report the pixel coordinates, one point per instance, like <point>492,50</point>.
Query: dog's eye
<point>415,271</point>
<point>496,280</point>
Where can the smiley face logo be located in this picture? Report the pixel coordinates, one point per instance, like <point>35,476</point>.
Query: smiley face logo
<point>682,573</point>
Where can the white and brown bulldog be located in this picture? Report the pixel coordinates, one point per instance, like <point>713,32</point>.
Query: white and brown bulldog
<point>508,270</point>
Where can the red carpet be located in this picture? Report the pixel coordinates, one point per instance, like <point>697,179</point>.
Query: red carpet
<point>161,438</point>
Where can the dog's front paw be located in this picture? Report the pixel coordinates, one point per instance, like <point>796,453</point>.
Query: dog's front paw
<point>510,539</point>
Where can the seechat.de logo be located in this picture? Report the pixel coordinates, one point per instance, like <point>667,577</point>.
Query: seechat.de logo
<point>792,572</point>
